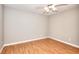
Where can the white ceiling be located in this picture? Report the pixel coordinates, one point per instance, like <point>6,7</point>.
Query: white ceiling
<point>37,8</point>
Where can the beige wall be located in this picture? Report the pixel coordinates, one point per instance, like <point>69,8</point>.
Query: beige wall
<point>21,25</point>
<point>65,26</point>
<point>1,21</point>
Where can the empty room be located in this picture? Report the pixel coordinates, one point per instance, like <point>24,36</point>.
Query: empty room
<point>39,28</point>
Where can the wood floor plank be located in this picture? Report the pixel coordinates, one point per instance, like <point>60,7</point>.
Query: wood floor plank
<point>44,46</point>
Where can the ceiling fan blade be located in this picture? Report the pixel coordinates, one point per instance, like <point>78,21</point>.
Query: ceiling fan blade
<point>61,5</point>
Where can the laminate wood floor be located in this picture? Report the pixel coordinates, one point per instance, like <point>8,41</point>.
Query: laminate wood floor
<point>44,46</point>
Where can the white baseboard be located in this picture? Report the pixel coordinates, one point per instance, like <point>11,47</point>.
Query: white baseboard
<point>1,49</point>
<point>21,42</point>
<point>25,41</point>
<point>64,42</point>
<point>38,39</point>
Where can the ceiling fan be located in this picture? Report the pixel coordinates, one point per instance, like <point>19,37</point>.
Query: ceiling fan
<point>51,8</point>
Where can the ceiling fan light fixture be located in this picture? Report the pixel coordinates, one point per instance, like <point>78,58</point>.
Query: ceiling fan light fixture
<point>50,8</point>
<point>46,9</point>
<point>54,8</point>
